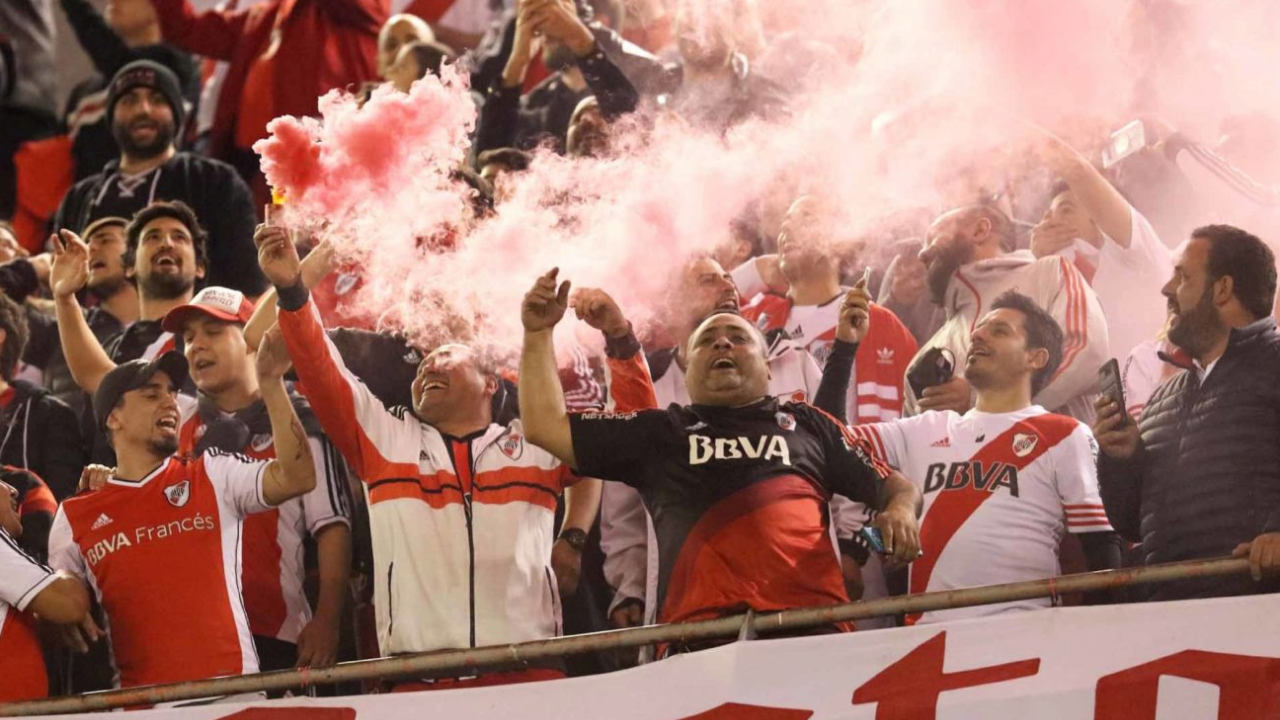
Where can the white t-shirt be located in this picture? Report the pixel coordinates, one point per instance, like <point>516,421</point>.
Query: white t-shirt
<point>999,489</point>
<point>1128,282</point>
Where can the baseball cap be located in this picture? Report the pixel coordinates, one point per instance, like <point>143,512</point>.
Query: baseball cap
<point>102,222</point>
<point>216,302</point>
<point>131,376</point>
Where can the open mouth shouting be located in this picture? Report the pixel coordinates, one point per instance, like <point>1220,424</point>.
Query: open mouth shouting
<point>723,363</point>
<point>168,422</point>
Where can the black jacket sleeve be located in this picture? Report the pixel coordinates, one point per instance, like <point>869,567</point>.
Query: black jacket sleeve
<point>499,118</point>
<point>63,448</point>
<point>645,71</point>
<point>1120,484</point>
<point>227,210</point>
<point>18,280</point>
<point>616,94</point>
<point>833,391</point>
<point>105,48</point>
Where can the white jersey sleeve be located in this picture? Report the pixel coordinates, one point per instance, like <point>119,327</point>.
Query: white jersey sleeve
<point>21,576</point>
<point>624,538</point>
<point>1085,346</point>
<point>330,501</point>
<point>1075,472</point>
<point>238,480</point>
<point>888,440</point>
<point>748,279</point>
<point>64,554</point>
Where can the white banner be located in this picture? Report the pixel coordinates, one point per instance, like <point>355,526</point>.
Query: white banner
<point>1194,660</point>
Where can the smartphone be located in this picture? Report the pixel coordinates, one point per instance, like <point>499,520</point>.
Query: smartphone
<point>1112,384</point>
<point>872,536</point>
<point>1124,142</point>
<point>935,367</point>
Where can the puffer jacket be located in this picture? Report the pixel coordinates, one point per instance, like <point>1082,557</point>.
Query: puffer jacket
<point>1208,477</point>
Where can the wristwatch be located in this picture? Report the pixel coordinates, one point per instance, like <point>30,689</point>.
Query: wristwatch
<point>576,538</point>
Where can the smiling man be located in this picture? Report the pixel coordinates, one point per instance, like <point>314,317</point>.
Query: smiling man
<point>1004,480</point>
<point>145,112</point>
<point>737,483</point>
<point>165,255</point>
<point>461,508</point>
<point>1198,475</point>
<point>159,543</point>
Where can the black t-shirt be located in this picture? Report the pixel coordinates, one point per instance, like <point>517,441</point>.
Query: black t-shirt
<point>738,498</point>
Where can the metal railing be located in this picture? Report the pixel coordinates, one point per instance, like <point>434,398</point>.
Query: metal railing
<point>466,662</point>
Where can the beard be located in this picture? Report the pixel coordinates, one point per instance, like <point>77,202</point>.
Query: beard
<point>938,273</point>
<point>1195,328</point>
<point>162,286</point>
<point>161,142</point>
<point>108,288</point>
<point>165,446</point>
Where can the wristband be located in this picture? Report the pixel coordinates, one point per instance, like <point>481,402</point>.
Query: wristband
<point>576,538</point>
<point>292,297</point>
<point>624,347</point>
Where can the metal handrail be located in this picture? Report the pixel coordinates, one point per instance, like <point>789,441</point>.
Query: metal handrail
<point>471,661</point>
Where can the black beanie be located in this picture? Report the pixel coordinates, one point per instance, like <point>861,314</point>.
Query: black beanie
<point>147,73</point>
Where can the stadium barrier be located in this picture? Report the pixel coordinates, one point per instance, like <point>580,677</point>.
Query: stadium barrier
<point>466,662</point>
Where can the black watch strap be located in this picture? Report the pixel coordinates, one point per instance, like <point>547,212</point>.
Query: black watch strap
<point>576,537</point>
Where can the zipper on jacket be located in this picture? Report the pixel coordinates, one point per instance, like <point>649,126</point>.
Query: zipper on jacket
<point>391,618</point>
<point>464,468</point>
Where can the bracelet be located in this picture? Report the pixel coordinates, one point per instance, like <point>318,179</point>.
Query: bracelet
<point>577,538</point>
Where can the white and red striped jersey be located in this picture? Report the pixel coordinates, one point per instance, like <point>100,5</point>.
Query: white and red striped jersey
<point>163,555</point>
<point>462,528</point>
<point>1058,288</point>
<point>273,569</point>
<point>999,489</point>
<point>875,386</point>
<point>22,578</point>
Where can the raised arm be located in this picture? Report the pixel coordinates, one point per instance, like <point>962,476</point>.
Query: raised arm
<point>1100,199</point>
<point>315,267</point>
<point>86,359</point>
<point>101,43</point>
<point>376,443</point>
<point>212,33</point>
<point>293,472</point>
<point>630,384</point>
<point>542,408</point>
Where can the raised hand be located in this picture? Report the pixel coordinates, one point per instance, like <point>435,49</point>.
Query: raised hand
<point>594,307</point>
<point>558,20</point>
<point>277,255</point>
<point>545,303</point>
<point>70,269</point>
<point>1049,237</point>
<point>855,314</point>
<point>273,359</point>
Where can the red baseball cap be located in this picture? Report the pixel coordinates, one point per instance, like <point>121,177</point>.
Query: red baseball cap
<point>216,302</point>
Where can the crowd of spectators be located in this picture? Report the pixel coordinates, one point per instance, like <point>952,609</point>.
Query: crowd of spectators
<point>213,466</point>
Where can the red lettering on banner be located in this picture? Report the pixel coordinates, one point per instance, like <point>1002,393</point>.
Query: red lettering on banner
<point>294,713</point>
<point>1249,686</point>
<point>909,688</point>
<point>738,711</point>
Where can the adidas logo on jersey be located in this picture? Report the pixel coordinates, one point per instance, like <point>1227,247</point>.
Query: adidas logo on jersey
<point>102,521</point>
<point>703,449</point>
<point>943,443</point>
<point>884,355</point>
<point>798,333</point>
